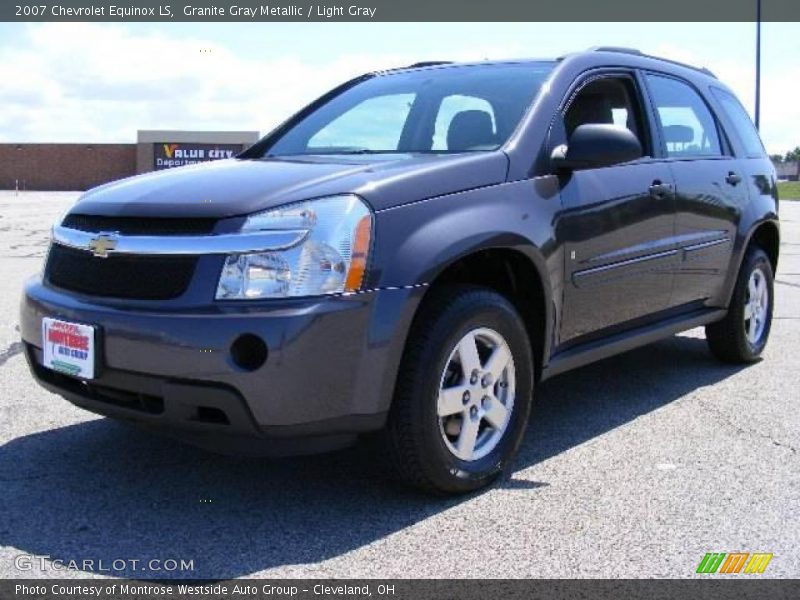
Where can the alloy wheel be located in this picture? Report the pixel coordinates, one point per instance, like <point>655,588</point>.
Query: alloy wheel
<point>476,394</point>
<point>756,306</point>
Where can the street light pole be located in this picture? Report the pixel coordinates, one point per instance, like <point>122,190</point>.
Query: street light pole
<point>758,63</point>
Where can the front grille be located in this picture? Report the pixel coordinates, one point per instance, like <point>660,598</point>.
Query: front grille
<point>122,276</point>
<point>140,225</point>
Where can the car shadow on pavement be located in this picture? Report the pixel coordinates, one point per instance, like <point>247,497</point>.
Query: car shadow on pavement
<point>100,490</point>
<point>580,405</point>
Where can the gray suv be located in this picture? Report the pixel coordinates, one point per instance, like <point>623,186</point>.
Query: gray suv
<point>412,254</point>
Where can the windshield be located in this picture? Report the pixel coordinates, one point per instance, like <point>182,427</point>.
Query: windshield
<point>442,110</point>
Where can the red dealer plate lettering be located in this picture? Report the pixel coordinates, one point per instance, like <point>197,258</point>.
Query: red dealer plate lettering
<point>68,348</point>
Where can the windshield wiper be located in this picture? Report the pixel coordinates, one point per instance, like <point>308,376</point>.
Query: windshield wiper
<point>364,151</point>
<point>334,153</point>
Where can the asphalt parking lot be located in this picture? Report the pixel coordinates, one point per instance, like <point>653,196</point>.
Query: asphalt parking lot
<point>633,467</point>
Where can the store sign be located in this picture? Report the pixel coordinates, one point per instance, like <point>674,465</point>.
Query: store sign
<point>168,155</point>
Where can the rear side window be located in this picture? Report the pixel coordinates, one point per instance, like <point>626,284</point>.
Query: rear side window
<point>741,121</point>
<point>687,125</point>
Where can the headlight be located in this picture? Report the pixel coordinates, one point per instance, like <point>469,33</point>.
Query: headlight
<point>330,258</point>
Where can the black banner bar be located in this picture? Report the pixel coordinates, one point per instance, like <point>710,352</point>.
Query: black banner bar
<point>712,587</point>
<point>398,10</point>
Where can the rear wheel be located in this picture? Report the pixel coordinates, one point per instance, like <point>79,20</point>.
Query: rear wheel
<point>742,335</point>
<point>463,394</point>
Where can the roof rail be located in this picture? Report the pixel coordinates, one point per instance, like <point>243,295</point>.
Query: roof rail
<point>620,49</point>
<point>417,65</point>
<point>428,63</point>
<point>636,52</point>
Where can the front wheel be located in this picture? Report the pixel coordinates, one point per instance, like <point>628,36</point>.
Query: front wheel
<point>742,335</point>
<point>463,393</point>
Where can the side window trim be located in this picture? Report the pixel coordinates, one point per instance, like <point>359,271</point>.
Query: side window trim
<point>587,77</point>
<point>726,148</point>
<point>656,139</point>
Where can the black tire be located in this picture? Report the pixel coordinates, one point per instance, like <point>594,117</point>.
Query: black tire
<point>728,339</point>
<point>416,446</point>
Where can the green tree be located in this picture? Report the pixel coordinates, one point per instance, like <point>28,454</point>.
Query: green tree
<point>793,155</point>
<point>776,158</point>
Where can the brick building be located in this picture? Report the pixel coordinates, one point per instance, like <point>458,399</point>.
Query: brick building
<point>69,167</point>
<point>788,170</point>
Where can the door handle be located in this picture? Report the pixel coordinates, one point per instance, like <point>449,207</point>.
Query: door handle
<point>732,178</point>
<point>660,190</point>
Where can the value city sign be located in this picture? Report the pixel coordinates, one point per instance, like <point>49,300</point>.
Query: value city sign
<point>168,155</point>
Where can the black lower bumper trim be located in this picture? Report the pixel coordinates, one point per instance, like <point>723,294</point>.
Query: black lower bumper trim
<point>211,415</point>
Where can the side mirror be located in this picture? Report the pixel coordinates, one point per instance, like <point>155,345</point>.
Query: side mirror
<point>595,145</point>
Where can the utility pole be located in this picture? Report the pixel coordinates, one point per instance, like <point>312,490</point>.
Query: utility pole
<point>758,63</point>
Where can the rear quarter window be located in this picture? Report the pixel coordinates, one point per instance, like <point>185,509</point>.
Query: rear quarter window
<point>687,124</point>
<point>738,116</point>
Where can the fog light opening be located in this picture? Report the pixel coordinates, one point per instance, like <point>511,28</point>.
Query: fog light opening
<point>210,414</point>
<point>249,352</point>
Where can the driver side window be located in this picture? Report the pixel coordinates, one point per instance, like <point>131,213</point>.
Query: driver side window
<point>609,101</point>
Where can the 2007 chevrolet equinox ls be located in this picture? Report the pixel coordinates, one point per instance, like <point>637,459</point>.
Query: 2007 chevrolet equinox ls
<point>412,253</point>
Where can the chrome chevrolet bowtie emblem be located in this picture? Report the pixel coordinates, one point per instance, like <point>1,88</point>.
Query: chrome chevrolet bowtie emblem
<point>103,244</point>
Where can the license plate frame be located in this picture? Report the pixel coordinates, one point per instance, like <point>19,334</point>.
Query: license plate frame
<point>69,347</point>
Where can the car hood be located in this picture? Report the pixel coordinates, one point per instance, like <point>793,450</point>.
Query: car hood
<point>234,187</point>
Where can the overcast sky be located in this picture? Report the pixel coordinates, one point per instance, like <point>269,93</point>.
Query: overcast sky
<point>101,82</point>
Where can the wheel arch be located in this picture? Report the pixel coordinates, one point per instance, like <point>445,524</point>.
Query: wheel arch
<point>766,233</point>
<point>515,272</point>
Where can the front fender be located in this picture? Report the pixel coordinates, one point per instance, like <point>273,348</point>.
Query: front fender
<point>416,242</point>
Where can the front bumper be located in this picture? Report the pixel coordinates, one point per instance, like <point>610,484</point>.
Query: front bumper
<point>330,368</point>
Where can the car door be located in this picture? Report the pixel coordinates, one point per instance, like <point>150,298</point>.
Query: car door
<point>617,224</point>
<point>709,185</point>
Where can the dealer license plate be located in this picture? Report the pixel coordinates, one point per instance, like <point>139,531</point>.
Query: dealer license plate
<point>69,348</point>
